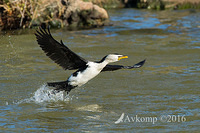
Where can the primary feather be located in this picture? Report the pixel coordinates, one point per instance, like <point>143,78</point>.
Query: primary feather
<point>58,52</point>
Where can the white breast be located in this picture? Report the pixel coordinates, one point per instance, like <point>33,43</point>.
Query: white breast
<point>83,77</point>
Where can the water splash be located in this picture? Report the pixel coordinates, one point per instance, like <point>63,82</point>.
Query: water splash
<point>45,95</point>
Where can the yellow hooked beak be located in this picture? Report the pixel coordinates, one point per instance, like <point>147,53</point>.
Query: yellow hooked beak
<point>122,57</point>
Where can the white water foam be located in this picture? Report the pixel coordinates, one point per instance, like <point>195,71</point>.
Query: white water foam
<point>44,94</point>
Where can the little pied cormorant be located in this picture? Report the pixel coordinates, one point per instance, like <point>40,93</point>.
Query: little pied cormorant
<point>68,60</point>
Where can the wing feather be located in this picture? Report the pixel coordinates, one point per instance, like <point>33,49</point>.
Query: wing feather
<point>58,52</point>
<point>117,67</point>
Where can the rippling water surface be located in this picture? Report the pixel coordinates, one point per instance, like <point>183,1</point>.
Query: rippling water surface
<point>166,88</point>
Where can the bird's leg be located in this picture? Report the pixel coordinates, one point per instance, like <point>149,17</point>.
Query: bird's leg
<point>64,94</point>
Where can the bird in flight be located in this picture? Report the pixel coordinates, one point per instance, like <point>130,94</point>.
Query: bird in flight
<point>68,60</point>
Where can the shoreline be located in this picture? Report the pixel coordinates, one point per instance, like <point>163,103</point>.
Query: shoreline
<point>75,14</point>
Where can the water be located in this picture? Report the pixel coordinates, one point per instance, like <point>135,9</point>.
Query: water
<point>165,88</point>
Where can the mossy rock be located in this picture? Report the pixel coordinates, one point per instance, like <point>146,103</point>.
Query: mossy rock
<point>156,5</point>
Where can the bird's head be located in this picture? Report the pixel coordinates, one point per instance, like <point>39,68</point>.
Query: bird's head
<point>114,57</point>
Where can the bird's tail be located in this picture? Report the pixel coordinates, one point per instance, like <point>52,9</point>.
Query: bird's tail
<point>60,86</point>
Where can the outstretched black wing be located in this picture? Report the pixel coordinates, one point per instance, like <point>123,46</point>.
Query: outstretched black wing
<point>58,52</point>
<point>116,67</point>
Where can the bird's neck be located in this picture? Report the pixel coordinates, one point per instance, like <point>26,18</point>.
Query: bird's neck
<point>104,63</point>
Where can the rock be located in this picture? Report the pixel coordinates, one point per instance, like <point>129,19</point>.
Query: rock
<point>108,3</point>
<point>155,4</point>
<point>81,14</point>
<point>99,13</point>
<point>182,4</point>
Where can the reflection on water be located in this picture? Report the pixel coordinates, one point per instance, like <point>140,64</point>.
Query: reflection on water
<point>168,83</point>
